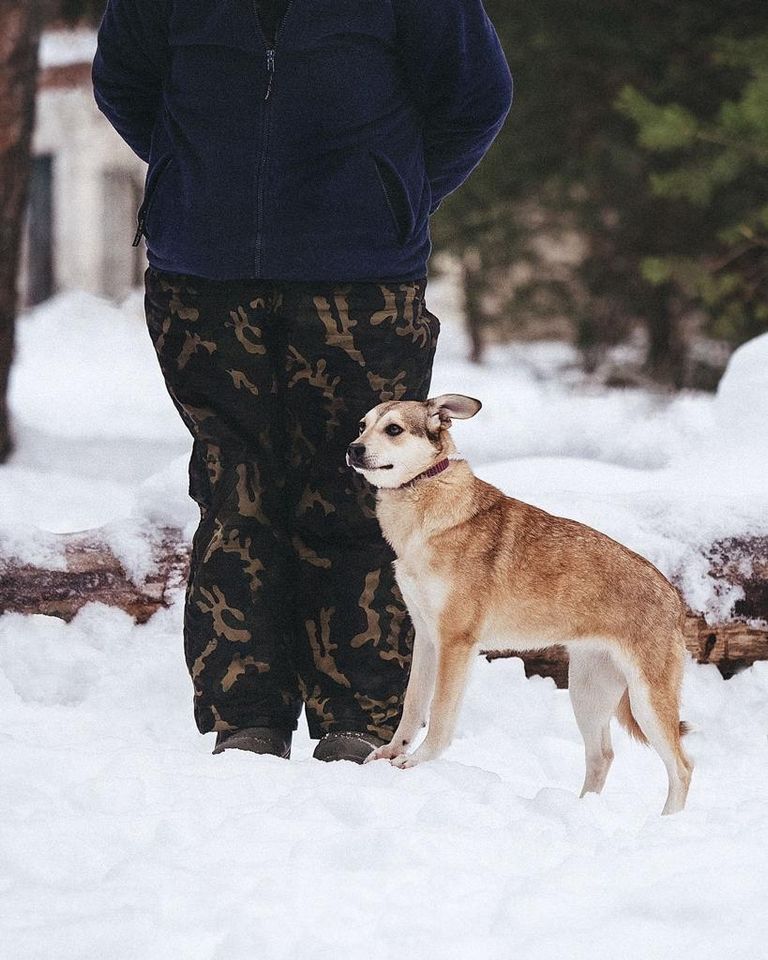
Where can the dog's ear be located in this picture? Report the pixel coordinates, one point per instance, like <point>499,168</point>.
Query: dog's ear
<point>441,409</point>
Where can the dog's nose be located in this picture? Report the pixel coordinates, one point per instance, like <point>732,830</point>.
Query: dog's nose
<point>356,450</point>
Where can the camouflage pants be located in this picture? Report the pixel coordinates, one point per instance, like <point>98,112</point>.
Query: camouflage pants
<point>291,597</point>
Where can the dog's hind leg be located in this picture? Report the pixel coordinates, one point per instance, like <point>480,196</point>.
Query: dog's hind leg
<point>655,704</point>
<point>595,685</point>
<point>418,695</point>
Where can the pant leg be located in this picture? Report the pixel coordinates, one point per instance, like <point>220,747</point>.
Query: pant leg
<point>350,346</point>
<point>218,349</point>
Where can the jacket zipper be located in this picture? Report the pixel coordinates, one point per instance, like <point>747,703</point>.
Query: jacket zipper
<point>265,128</point>
<point>270,72</point>
<point>141,216</point>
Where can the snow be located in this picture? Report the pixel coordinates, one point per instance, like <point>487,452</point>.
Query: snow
<point>59,48</point>
<point>122,837</point>
<point>98,362</point>
<point>742,392</point>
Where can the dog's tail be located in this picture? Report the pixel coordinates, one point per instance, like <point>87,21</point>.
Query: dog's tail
<point>627,719</point>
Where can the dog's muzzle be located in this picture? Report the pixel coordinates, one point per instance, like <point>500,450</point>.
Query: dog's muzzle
<point>356,458</point>
<point>356,455</point>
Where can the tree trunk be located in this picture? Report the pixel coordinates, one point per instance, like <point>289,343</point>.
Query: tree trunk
<point>473,305</point>
<point>20,23</point>
<point>666,347</point>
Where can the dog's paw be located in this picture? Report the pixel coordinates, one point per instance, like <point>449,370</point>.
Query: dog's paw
<point>407,760</point>
<point>388,752</point>
<point>404,761</point>
<point>424,753</point>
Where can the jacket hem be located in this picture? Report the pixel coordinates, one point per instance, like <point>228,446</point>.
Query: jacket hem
<point>234,274</point>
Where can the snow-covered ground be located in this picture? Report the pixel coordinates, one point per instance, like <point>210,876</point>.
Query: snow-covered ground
<point>122,837</point>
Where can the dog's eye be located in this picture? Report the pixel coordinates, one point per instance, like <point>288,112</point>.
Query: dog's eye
<point>361,426</point>
<point>393,429</point>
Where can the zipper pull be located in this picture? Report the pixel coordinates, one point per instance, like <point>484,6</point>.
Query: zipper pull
<point>270,71</point>
<point>140,229</point>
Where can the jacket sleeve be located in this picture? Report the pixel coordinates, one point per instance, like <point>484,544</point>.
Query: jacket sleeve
<point>459,76</point>
<point>129,66</point>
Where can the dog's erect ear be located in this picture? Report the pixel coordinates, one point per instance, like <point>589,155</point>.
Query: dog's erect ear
<point>447,405</point>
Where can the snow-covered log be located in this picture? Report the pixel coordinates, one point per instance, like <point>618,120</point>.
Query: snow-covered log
<point>117,565</point>
<point>729,646</point>
<point>137,568</point>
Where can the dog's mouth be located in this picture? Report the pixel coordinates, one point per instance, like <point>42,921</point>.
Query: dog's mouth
<point>362,465</point>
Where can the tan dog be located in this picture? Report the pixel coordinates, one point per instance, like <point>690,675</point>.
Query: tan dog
<point>478,569</point>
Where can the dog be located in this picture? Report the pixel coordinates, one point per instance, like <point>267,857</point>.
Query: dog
<point>478,569</point>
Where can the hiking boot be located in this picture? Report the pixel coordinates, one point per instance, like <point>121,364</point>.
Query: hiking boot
<point>269,740</point>
<point>346,745</point>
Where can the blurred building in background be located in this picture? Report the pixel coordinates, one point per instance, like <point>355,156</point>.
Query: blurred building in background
<point>85,188</point>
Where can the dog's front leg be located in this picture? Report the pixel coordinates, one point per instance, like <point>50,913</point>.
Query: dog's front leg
<point>418,694</point>
<point>454,659</point>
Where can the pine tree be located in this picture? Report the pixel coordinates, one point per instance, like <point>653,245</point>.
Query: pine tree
<point>568,165</point>
<point>720,167</point>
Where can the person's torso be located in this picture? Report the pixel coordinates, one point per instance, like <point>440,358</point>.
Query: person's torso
<point>299,151</point>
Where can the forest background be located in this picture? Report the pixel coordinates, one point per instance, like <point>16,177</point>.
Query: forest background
<point>624,204</point>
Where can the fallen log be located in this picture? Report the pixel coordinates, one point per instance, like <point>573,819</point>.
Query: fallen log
<point>729,646</point>
<point>743,562</point>
<point>738,641</point>
<point>73,569</point>
<point>79,568</point>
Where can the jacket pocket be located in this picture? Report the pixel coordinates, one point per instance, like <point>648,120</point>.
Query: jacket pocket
<point>396,196</point>
<point>149,193</point>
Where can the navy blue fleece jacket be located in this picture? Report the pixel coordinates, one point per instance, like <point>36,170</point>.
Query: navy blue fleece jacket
<point>317,155</point>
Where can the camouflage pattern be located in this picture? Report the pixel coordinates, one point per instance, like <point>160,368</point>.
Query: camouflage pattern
<point>291,596</point>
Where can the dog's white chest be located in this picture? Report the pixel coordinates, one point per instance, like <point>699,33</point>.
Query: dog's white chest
<point>425,591</point>
<point>422,588</point>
